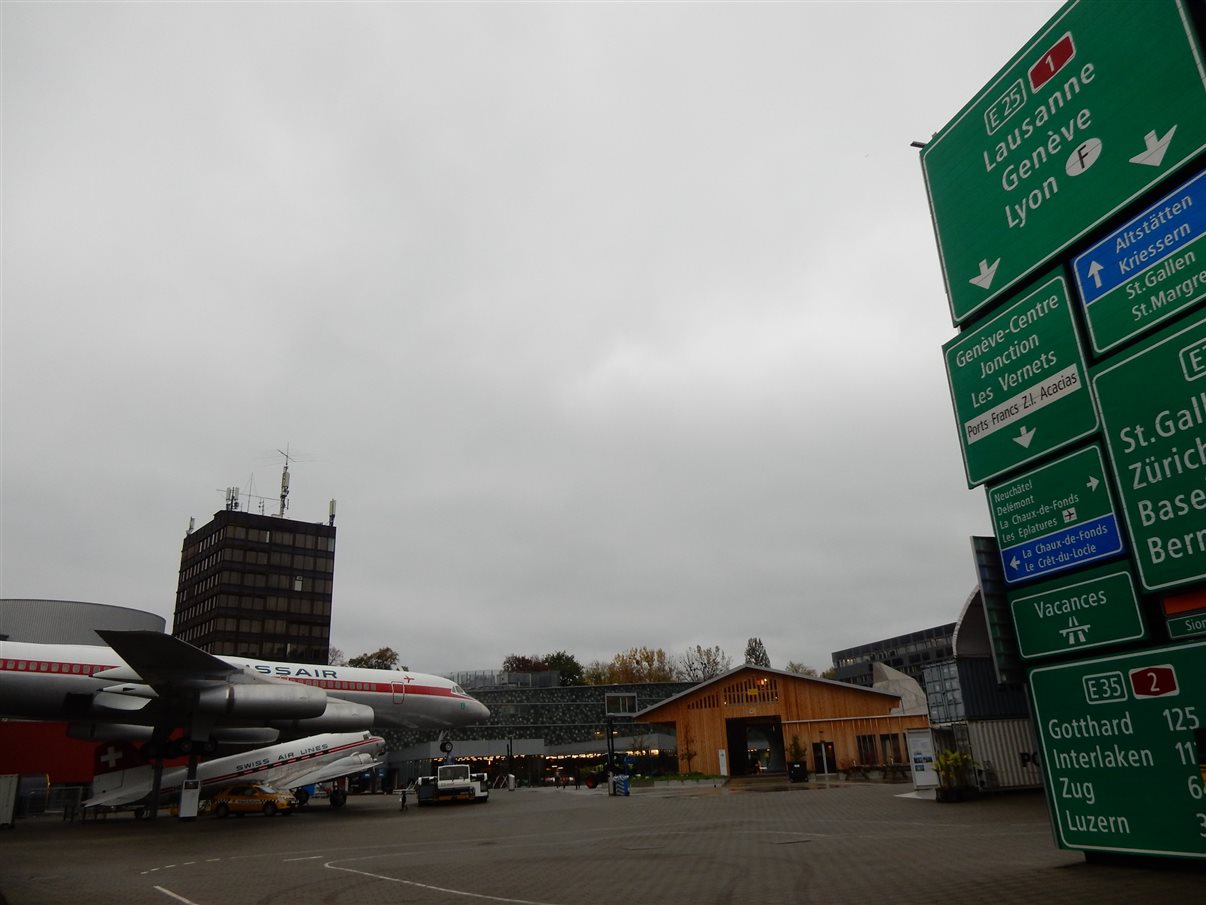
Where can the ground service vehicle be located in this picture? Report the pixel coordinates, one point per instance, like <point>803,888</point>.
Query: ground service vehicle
<point>453,782</point>
<point>252,799</point>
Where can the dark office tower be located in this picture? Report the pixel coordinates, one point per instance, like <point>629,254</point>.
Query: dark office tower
<point>258,586</point>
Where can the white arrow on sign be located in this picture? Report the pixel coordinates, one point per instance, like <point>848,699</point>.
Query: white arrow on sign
<point>1153,156</point>
<point>1024,437</point>
<point>1095,270</point>
<point>1014,563</point>
<point>1093,482</point>
<point>987,271</point>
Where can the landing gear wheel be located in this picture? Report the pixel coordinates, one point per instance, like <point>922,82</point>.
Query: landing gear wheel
<point>338,798</point>
<point>302,796</point>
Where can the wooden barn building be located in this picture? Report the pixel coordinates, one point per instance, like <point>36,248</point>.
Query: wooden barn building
<point>754,719</point>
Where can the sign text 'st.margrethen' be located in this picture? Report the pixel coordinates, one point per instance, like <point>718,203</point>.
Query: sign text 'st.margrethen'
<point>1055,135</point>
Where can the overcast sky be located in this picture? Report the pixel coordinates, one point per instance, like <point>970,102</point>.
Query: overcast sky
<point>606,324</point>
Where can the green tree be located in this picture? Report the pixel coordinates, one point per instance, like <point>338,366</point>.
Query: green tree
<point>382,658</point>
<point>520,663</point>
<point>567,666</point>
<point>755,653</point>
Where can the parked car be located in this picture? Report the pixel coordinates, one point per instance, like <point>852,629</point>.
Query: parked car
<point>252,799</point>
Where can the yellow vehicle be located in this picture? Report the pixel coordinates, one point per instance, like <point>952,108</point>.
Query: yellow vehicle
<point>254,798</point>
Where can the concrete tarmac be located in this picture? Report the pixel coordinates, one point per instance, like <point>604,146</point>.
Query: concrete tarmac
<point>681,845</point>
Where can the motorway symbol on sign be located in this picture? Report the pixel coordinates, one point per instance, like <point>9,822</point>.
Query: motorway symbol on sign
<point>1018,384</point>
<point>1098,108</point>
<point>1147,270</point>
<point>1153,412</point>
<point>1056,517</point>
<point>1123,742</point>
<point>1085,610</point>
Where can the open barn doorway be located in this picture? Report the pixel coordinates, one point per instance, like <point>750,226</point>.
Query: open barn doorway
<point>755,745</point>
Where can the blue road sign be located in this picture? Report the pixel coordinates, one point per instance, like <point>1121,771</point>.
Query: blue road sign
<point>1148,269</point>
<point>1063,549</point>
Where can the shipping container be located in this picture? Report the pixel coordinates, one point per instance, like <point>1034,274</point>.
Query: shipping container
<point>1006,753</point>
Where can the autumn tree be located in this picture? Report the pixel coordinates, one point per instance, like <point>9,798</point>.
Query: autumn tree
<point>801,670</point>
<point>595,672</point>
<point>700,663</point>
<point>641,664</point>
<point>335,657</point>
<point>383,658</point>
<point>755,653</point>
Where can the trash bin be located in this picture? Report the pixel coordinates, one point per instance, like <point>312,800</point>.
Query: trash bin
<point>621,784</point>
<point>510,782</point>
<point>797,771</point>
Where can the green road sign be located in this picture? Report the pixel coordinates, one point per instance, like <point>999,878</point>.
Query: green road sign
<point>1085,610</point>
<point>1153,412</point>
<point>1101,105</point>
<point>1186,626</point>
<point>1056,517</point>
<point>1018,384</point>
<point>1123,742</point>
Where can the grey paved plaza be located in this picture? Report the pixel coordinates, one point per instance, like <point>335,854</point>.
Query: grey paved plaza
<point>692,845</point>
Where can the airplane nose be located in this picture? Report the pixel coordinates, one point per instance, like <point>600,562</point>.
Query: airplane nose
<point>483,712</point>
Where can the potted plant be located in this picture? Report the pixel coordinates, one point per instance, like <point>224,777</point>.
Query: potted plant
<point>954,769</point>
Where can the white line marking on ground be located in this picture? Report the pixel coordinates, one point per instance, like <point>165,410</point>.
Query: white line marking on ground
<point>307,858</point>
<point>455,892</point>
<point>168,892</point>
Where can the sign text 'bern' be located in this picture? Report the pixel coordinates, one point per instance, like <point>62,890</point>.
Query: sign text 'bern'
<point>1153,412</point>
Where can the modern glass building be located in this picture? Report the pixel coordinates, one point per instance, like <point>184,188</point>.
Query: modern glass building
<point>910,654</point>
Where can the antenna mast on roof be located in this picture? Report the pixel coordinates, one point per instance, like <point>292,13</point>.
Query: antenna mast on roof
<point>284,483</point>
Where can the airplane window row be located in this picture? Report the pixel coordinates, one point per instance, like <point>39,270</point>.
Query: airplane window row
<point>83,669</point>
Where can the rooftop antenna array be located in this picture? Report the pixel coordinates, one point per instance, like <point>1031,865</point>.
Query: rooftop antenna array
<point>284,483</point>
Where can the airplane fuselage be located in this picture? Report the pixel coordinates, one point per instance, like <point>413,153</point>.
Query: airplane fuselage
<point>88,683</point>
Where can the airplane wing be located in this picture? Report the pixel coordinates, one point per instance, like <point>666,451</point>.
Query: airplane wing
<point>353,763</point>
<point>173,683</point>
<point>160,659</point>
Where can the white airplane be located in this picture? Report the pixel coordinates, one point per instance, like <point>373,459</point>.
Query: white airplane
<point>145,685</point>
<point>290,765</point>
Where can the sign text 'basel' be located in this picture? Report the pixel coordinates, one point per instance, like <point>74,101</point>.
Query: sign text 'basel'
<point>1098,108</point>
<point>1153,409</point>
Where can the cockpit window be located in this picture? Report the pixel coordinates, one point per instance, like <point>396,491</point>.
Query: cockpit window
<point>456,689</point>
